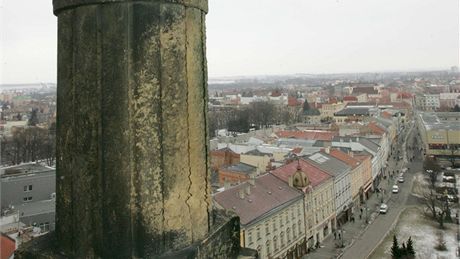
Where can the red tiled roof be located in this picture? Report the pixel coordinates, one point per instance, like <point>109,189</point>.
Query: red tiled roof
<point>344,157</point>
<point>332,100</point>
<point>386,114</point>
<point>7,246</point>
<point>312,135</point>
<point>375,128</point>
<point>350,98</point>
<point>292,101</point>
<point>268,193</point>
<point>315,175</point>
<point>405,95</point>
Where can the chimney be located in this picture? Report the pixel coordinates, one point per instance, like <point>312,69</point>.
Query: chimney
<point>291,181</point>
<point>248,189</point>
<point>241,193</point>
<point>350,153</point>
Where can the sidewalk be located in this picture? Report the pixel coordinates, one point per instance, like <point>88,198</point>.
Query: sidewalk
<point>351,230</point>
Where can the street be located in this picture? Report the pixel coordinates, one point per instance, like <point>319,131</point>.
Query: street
<point>363,245</point>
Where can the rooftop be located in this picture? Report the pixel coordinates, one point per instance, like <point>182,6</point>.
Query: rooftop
<point>24,169</point>
<point>344,157</point>
<point>315,175</point>
<point>441,120</point>
<point>311,134</point>
<point>353,111</point>
<point>328,163</point>
<point>268,194</point>
<point>241,168</point>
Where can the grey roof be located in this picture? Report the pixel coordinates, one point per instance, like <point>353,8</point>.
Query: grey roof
<point>241,168</point>
<point>330,164</point>
<point>441,120</point>
<point>34,208</point>
<point>292,142</point>
<point>24,169</point>
<point>369,144</point>
<point>319,143</point>
<point>362,140</point>
<point>375,140</point>
<point>352,111</point>
<point>385,122</point>
<point>256,152</point>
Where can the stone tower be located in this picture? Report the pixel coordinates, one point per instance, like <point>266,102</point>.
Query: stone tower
<point>132,166</point>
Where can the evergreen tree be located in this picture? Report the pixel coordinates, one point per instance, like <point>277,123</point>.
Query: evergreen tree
<point>395,250</point>
<point>403,250</point>
<point>33,120</point>
<point>410,248</point>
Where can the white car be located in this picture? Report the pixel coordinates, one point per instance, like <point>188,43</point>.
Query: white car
<point>395,189</point>
<point>400,179</point>
<point>383,208</point>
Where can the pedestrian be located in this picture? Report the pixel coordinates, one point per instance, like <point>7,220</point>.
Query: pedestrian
<point>353,219</point>
<point>361,216</point>
<point>340,237</point>
<point>335,235</point>
<point>361,209</point>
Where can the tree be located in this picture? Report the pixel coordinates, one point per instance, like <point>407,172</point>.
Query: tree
<point>33,120</point>
<point>395,250</point>
<point>410,248</point>
<point>456,108</point>
<point>432,169</point>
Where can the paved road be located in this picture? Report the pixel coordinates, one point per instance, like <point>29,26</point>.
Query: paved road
<point>366,243</point>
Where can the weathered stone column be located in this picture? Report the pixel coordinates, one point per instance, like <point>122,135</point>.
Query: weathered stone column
<point>132,166</point>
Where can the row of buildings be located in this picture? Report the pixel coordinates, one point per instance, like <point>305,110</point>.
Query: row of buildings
<point>293,187</point>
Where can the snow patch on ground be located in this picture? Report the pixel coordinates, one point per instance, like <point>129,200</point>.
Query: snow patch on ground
<point>424,233</point>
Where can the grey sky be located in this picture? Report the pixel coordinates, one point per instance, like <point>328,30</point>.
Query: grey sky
<point>253,37</point>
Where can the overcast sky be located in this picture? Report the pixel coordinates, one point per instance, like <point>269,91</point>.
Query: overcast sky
<point>255,37</point>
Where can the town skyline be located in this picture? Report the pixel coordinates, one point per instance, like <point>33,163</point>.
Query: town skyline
<point>326,37</point>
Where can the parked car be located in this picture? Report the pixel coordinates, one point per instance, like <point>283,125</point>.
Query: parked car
<point>400,179</point>
<point>383,208</point>
<point>395,189</point>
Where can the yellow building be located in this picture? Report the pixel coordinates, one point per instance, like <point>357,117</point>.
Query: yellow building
<point>440,133</point>
<point>318,188</point>
<point>258,159</point>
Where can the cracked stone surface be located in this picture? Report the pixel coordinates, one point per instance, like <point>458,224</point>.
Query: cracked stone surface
<point>132,165</point>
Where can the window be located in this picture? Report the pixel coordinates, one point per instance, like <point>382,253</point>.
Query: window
<point>274,225</point>
<point>30,187</point>
<point>25,188</point>
<point>281,221</point>
<point>267,229</point>
<point>268,247</point>
<point>275,244</point>
<point>25,198</point>
<point>282,239</point>
<point>288,234</point>
<point>300,227</point>
<point>250,238</point>
<point>293,231</point>
<point>29,198</point>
